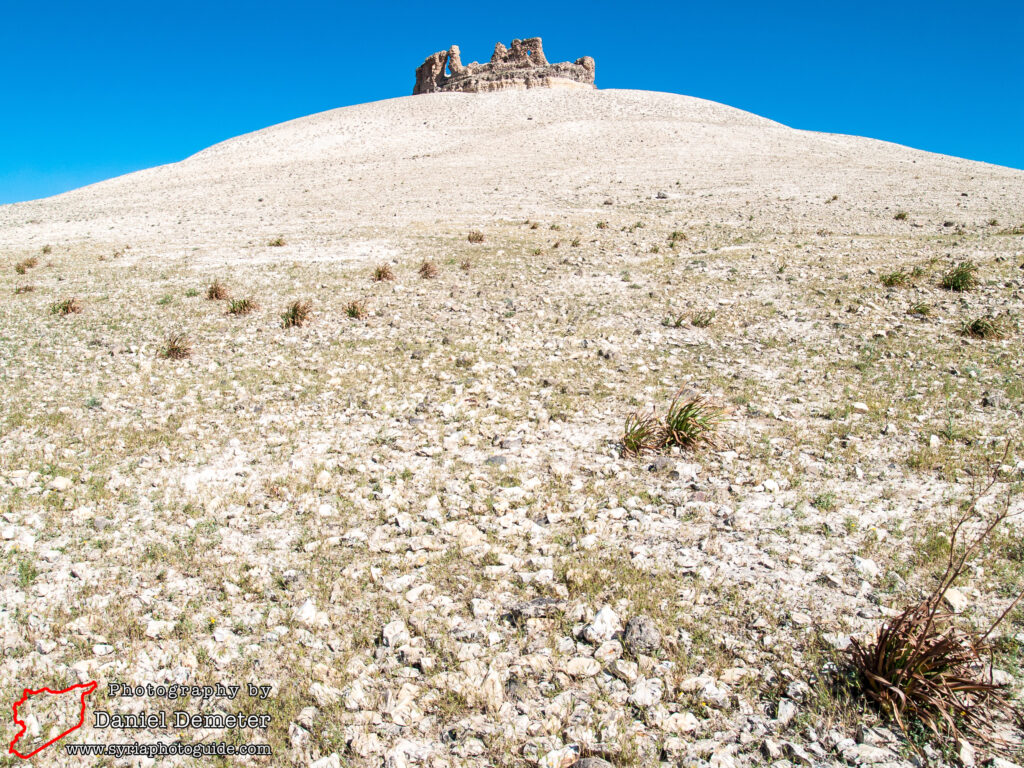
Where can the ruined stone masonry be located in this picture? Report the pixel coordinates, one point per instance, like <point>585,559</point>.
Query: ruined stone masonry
<point>521,66</point>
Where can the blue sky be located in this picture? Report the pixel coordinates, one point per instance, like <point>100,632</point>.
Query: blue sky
<point>94,90</point>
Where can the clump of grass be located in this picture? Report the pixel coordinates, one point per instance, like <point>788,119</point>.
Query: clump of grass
<point>478,237</point>
<point>466,265</point>
<point>825,501</point>
<point>66,307</point>
<point>298,314</point>
<point>242,306</point>
<point>920,308</point>
<point>25,265</point>
<point>922,667</point>
<point>428,270</point>
<point>575,242</point>
<point>24,289</point>
<point>962,277</point>
<point>217,291</point>
<point>986,327</point>
<point>277,242</point>
<point>164,300</point>
<point>895,279</point>
<point>383,272</point>
<point>177,347</point>
<point>47,250</point>
<point>602,225</point>
<point>690,421</point>
<point>191,293</point>
<point>703,319</point>
<point>641,434</point>
<point>1019,230</point>
<point>900,216</point>
<point>674,321</point>
<point>357,309</point>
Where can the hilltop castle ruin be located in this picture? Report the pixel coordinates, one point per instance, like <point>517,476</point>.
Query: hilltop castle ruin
<point>521,66</point>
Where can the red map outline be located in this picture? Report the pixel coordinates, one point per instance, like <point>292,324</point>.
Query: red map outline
<point>87,688</point>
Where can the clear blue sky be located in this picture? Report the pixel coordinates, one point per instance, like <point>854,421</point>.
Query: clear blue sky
<point>92,90</point>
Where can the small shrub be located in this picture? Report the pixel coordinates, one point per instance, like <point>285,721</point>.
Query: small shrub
<point>177,347</point>
<point>895,279</point>
<point>242,306</point>
<point>655,248</point>
<point>297,314</point>
<point>962,277</point>
<point>900,216</point>
<point>993,222</point>
<point>920,308</point>
<point>428,270</point>
<point>602,225</point>
<point>357,309</point>
<point>217,291</point>
<point>702,319</point>
<point>191,293</point>
<point>478,237</point>
<point>923,667</point>
<point>66,307</point>
<point>534,225</point>
<point>466,265</point>
<point>641,434</point>
<point>675,236</point>
<point>164,300</point>
<point>986,327</point>
<point>383,272</point>
<point>47,250</point>
<point>277,242</point>
<point>690,421</point>
<point>24,289</point>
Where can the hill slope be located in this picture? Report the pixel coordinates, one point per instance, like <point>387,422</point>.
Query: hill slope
<point>376,167</point>
<point>413,516</point>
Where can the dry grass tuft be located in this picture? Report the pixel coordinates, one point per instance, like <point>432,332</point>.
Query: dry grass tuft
<point>24,289</point>
<point>242,306</point>
<point>217,291</point>
<point>691,420</point>
<point>962,277</point>
<point>177,347</point>
<point>383,272</point>
<point>66,307</point>
<point>25,265</point>
<point>924,667</point>
<point>277,242</point>
<point>357,309</point>
<point>428,270</point>
<point>298,314</point>
<point>641,434</point>
<point>466,265</point>
<point>987,327</point>
<point>475,237</point>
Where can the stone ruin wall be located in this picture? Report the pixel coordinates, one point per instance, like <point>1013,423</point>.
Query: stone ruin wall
<point>521,66</point>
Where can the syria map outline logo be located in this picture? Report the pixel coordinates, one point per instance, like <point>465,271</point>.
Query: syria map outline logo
<point>86,689</point>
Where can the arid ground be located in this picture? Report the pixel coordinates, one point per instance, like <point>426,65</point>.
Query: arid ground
<point>412,515</point>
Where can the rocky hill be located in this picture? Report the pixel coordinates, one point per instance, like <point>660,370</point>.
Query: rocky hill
<point>338,407</point>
